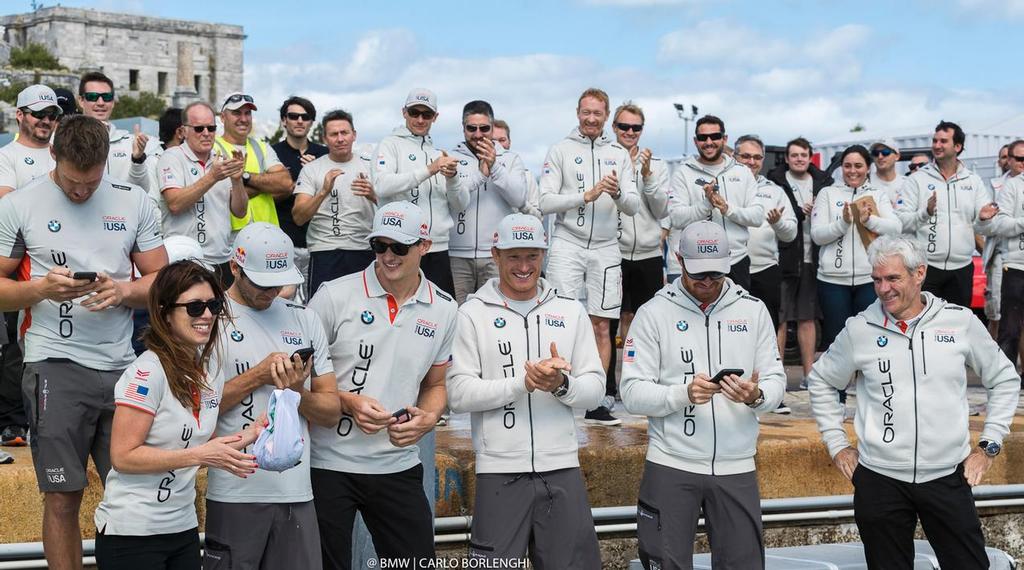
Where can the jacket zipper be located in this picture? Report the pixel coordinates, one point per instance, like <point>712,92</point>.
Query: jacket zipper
<point>949,226</point>
<point>714,426</point>
<point>913,371</point>
<point>719,342</point>
<point>853,249</point>
<point>476,230</point>
<point>593,205</point>
<point>529,396</point>
<point>924,357</point>
<point>430,188</point>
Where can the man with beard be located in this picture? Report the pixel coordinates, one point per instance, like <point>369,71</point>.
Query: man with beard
<point>713,186</point>
<point>886,153</point>
<point>28,156</point>
<point>588,179</point>
<point>496,181</point>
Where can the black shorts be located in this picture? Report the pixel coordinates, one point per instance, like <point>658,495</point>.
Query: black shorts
<point>173,551</point>
<point>328,265</point>
<point>438,269</point>
<point>641,280</point>
<point>800,296</point>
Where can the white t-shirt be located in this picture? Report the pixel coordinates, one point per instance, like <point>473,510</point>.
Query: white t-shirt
<point>246,340</point>
<point>805,194</point>
<point>20,164</point>
<point>343,220</point>
<point>383,351</point>
<point>142,504</point>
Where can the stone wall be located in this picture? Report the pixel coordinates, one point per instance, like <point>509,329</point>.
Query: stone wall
<point>139,53</point>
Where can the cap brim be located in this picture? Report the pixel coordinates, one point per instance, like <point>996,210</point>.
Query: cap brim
<point>238,105</point>
<point>421,104</point>
<point>40,105</point>
<point>707,265</point>
<point>275,279</point>
<point>519,245</point>
<point>390,234</point>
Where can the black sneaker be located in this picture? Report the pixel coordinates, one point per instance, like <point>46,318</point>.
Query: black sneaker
<point>601,416</point>
<point>14,436</point>
<point>782,409</point>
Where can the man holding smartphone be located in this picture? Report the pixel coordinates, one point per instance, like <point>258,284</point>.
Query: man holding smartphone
<point>703,432</point>
<point>390,332</point>
<point>267,520</point>
<point>524,358</point>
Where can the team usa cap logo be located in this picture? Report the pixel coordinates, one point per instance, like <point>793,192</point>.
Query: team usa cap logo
<point>520,230</point>
<point>704,248</point>
<point>402,222</point>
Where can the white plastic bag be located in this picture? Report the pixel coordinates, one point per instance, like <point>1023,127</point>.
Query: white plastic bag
<point>279,446</point>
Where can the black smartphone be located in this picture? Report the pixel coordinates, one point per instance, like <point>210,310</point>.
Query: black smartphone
<point>717,379</point>
<point>304,353</point>
<point>402,415</point>
<point>89,275</point>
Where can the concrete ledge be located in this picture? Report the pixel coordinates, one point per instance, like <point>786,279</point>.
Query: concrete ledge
<point>792,462</point>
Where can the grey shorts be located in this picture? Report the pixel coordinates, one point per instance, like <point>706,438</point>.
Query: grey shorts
<point>470,274</point>
<point>261,536</point>
<point>547,513</point>
<point>71,412</point>
<point>800,296</point>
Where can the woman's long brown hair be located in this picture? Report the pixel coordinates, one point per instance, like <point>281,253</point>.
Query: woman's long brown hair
<point>186,374</point>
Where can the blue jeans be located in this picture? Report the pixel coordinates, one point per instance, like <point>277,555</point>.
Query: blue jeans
<point>840,302</point>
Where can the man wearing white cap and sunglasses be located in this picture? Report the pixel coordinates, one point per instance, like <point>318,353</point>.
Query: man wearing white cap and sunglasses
<point>702,363</point>
<point>524,358</point>
<point>28,156</point>
<point>267,520</point>
<point>390,332</point>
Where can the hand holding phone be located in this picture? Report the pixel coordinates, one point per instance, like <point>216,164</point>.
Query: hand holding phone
<point>402,416</point>
<point>87,275</point>
<point>304,353</point>
<point>717,378</point>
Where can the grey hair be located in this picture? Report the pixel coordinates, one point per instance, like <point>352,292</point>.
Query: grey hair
<point>749,139</point>
<point>887,246</point>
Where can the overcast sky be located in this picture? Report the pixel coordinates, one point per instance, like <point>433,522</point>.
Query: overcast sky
<point>779,69</point>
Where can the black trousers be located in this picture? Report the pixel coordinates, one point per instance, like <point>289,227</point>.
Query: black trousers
<point>327,265</point>
<point>393,506</point>
<point>886,511</point>
<point>1010,321</point>
<point>438,269</point>
<point>767,286</point>
<point>953,285</point>
<point>12,406</point>
<point>740,273</point>
<point>175,551</point>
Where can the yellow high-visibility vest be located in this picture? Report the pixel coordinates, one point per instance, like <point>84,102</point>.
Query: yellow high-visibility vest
<point>261,206</point>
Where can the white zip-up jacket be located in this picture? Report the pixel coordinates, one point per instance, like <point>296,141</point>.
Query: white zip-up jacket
<point>575,165</point>
<point>948,236</point>
<point>516,431</point>
<point>491,198</point>
<point>688,204</point>
<point>1008,224</point>
<point>842,259</point>
<point>640,234</point>
<point>763,245</point>
<point>670,341</point>
<point>119,161</point>
<point>402,173</point>
<point>997,244</point>
<point>912,415</point>
<point>532,205</point>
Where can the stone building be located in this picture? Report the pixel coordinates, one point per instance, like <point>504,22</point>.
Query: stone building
<point>139,53</point>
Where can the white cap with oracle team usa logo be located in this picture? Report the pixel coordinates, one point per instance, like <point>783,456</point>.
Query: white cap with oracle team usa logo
<point>401,221</point>
<point>421,96</point>
<point>520,230</point>
<point>37,97</point>
<point>704,247</point>
<point>266,254</point>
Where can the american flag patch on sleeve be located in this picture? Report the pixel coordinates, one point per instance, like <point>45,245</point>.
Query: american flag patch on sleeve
<point>137,392</point>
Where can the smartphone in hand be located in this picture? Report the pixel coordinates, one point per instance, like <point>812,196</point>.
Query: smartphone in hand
<point>717,378</point>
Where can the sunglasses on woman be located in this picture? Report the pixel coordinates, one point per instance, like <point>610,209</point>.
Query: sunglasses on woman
<point>197,308</point>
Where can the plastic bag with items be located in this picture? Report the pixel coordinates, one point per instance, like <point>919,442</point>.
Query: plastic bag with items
<point>279,446</point>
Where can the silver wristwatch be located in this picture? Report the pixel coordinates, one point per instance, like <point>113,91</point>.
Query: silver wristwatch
<point>760,399</point>
<point>563,389</point>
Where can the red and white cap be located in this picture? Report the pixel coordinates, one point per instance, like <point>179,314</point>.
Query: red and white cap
<point>266,255</point>
<point>520,230</point>
<point>704,247</point>
<point>401,221</point>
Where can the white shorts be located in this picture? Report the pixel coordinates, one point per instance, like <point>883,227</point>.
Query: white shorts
<point>571,266</point>
<point>993,287</point>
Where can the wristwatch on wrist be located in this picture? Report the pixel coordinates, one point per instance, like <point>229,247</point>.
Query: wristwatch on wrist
<point>139,160</point>
<point>246,177</point>
<point>990,448</point>
<point>563,389</point>
<point>759,400</point>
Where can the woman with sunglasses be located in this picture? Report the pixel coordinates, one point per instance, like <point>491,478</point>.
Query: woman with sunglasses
<point>167,407</point>
<point>844,274</point>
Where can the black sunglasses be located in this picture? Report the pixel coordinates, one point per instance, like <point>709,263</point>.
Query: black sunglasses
<point>713,275</point>
<point>297,116</point>
<point>629,127</point>
<point>915,165</point>
<point>399,249</point>
<point>712,136</point>
<point>882,152</point>
<point>44,114</point>
<point>200,128</point>
<point>92,96</point>
<point>417,113</point>
<point>475,128</point>
<point>239,97</point>
<point>197,308</point>
<point>1017,158</point>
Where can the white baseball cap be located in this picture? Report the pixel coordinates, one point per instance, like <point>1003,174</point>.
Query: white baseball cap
<point>237,100</point>
<point>266,255</point>
<point>37,97</point>
<point>520,230</point>
<point>704,247</point>
<point>401,221</point>
<point>420,96</point>
<point>887,142</point>
<point>183,247</point>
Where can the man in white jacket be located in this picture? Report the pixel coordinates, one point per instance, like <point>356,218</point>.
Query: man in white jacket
<point>713,186</point>
<point>915,458</point>
<point>523,358</point>
<point>409,168</point>
<point>587,180</point>
<point>496,181</point>
<point>701,362</point>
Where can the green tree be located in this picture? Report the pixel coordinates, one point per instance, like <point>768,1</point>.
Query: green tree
<point>276,137</point>
<point>34,56</point>
<point>145,105</point>
<point>9,93</point>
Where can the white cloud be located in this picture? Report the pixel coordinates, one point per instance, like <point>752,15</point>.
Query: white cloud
<point>379,55</point>
<point>717,41</point>
<point>1006,8</point>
